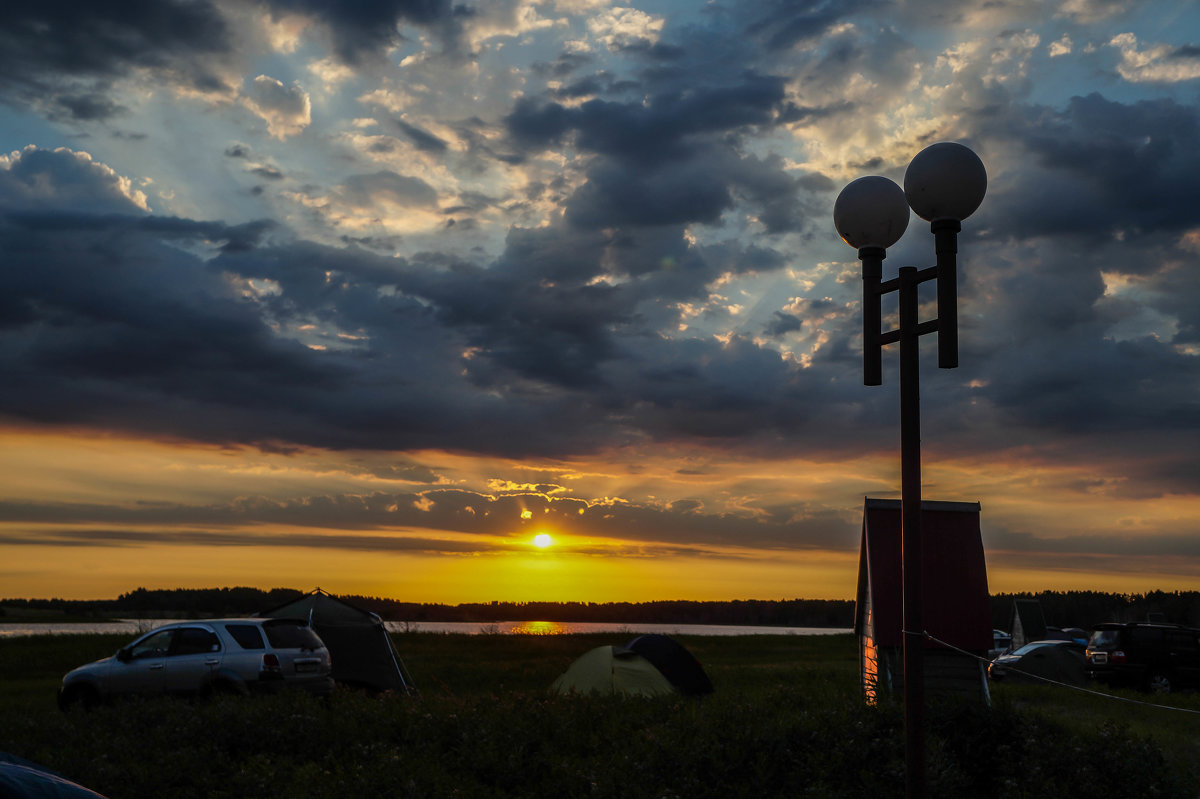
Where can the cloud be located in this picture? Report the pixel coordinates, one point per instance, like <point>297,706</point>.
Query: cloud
<point>422,139</point>
<point>1102,166</point>
<point>63,57</point>
<point>364,31</point>
<point>33,180</point>
<point>1061,47</point>
<point>620,27</point>
<point>286,110</point>
<point>365,191</point>
<point>382,521</point>
<point>1157,64</point>
<point>651,260</point>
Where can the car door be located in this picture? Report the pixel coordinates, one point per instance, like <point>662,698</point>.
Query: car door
<point>1185,656</point>
<point>141,667</point>
<point>194,655</point>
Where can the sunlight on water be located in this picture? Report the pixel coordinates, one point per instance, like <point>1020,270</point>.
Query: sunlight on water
<point>539,628</point>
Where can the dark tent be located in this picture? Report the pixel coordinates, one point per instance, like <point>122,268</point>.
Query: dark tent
<point>21,779</point>
<point>677,664</point>
<point>1028,623</point>
<point>358,642</point>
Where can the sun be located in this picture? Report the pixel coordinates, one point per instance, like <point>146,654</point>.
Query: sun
<point>541,540</point>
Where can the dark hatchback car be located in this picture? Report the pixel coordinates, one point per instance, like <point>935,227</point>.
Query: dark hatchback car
<point>1152,657</point>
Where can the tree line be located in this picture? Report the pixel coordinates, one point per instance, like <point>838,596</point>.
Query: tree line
<point>241,601</point>
<point>1059,608</point>
<point>1088,608</point>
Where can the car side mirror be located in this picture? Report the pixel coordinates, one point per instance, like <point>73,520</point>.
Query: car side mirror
<point>123,655</point>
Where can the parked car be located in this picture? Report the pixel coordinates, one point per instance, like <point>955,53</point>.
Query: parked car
<point>1055,660</point>
<point>204,657</point>
<point>1159,658</point>
<point>1001,643</point>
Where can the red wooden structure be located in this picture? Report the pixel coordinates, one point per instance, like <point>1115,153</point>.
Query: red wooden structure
<point>955,597</point>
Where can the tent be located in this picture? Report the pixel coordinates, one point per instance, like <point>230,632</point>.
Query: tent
<point>1028,623</point>
<point>21,779</point>
<point>677,664</point>
<point>357,640</point>
<point>613,670</point>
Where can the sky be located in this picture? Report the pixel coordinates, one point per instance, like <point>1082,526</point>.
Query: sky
<point>366,296</point>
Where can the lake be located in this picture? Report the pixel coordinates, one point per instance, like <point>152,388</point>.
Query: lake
<point>134,626</point>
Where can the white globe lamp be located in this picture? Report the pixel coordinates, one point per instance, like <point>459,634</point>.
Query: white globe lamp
<point>871,212</point>
<point>945,181</point>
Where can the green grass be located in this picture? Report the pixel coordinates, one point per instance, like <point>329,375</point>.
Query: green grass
<point>786,720</point>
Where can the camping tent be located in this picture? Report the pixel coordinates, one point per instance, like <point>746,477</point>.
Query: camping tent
<point>677,664</point>
<point>613,670</point>
<point>358,643</point>
<point>1028,623</point>
<point>21,779</point>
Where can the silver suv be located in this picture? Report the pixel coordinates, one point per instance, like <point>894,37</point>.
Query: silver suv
<point>204,657</point>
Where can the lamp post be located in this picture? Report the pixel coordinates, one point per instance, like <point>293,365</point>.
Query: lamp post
<point>943,185</point>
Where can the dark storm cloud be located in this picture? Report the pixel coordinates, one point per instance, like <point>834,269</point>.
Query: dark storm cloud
<point>63,55</point>
<point>642,133</point>
<point>79,184</point>
<point>116,320</point>
<point>366,29</point>
<point>1104,166</point>
<point>783,323</point>
<point>1104,193</point>
<point>671,161</point>
<point>671,194</point>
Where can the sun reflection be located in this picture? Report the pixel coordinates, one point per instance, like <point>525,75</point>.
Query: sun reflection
<point>539,628</point>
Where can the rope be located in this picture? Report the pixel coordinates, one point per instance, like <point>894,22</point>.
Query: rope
<point>1053,682</point>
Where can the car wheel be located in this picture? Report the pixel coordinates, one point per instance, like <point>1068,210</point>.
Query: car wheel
<point>1159,683</point>
<point>79,697</point>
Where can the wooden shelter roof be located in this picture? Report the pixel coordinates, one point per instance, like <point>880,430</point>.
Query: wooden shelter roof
<point>954,575</point>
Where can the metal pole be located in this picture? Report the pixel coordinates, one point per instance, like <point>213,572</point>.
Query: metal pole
<point>910,520</point>
<point>872,273</point>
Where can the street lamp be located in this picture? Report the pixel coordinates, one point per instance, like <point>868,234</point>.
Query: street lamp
<point>943,185</point>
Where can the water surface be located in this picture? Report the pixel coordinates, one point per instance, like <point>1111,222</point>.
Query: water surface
<point>133,627</point>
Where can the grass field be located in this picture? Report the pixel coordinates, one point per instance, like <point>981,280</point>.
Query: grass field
<point>786,720</point>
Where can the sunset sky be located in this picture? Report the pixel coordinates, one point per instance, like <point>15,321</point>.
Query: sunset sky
<point>366,296</point>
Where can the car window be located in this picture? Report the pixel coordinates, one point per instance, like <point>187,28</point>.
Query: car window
<point>1103,639</point>
<point>1181,639</point>
<point>247,635</point>
<point>289,634</point>
<point>155,645</point>
<point>194,640</point>
<point>1142,636</point>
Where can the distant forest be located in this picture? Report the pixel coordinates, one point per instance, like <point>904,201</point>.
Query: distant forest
<point>1060,608</point>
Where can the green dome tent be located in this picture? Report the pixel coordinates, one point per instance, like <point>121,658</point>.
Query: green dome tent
<point>358,643</point>
<point>613,670</point>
